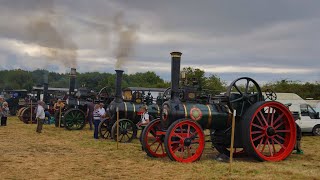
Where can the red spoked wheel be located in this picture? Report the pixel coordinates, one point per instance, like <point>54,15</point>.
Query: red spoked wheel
<point>151,142</point>
<point>184,141</point>
<point>269,131</point>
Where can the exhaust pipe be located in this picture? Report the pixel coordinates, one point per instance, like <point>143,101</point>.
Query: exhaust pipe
<point>175,74</point>
<point>118,97</point>
<point>72,82</point>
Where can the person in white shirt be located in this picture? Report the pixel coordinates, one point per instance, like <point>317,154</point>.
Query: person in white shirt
<point>102,110</point>
<point>40,116</point>
<point>145,119</point>
<point>96,120</point>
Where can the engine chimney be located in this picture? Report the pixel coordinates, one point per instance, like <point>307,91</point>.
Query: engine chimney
<point>45,87</point>
<point>118,86</point>
<point>175,74</point>
<point>72,82</point>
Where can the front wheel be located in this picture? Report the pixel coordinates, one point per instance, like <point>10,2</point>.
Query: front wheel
<point>151,142</point>
<point>74,119</point>
<point>104,129</point>
<point>127,131</point>
<point>316,130</point>
<point>184,141</point>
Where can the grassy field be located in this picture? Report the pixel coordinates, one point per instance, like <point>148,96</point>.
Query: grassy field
<point>61,154</point>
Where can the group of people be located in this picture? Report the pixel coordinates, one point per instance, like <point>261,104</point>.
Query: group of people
<point>4,111</point>
<point>95,113</point>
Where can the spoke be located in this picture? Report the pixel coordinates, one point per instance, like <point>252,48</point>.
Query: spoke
<point>261,141</point>
<point>153,143</point>
<point>121,138</point>
<point>104,133</point>
<point>261,136</point>
<point>264,145</point>
<point>272,116</point>
<point>247,86</point>
<point>195,141</point>
<point>264,119</point>
<point>279,143</point>
<point>128,137</point>
<point>279,125</point>
<point>161,147</point>
<point>269,147</point>
<point>274,149</point>
<point>175,142</point>
<point>175,134</point>
<point>285,131</point>
<point>280,137</point>
<point>238,89</point>
<point>236,100</point>
<point>188,131</point>
<point>178,148</point>
<point>188,150</point>
<point>258,118</point>
<point>157,148</point>
<point>256,132</point>
<point>268,117</point>
<point>255,125</point>
<point>194,134</point>
<point>275,122</point>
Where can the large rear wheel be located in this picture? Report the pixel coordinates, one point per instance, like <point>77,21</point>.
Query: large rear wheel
<point>269,131</point>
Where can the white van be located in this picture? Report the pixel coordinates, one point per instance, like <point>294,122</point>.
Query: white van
<point>307,118</point>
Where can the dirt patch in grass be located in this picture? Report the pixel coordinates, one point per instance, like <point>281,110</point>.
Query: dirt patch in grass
<point>60,154</point>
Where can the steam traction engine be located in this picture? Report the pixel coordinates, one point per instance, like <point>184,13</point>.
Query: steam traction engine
<point>73,115</point>
<point>128,108</point>
<point>264,129</point>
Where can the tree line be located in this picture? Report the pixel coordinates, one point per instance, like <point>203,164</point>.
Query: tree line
<point>22,79</point>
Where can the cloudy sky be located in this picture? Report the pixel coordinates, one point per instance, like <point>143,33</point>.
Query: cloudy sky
<point>267,40</point>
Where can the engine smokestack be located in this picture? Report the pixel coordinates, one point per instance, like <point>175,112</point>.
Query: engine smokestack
<point>118,85</point>
<point>175,74</point>
<point>72,82</point>
<point>45,87</point>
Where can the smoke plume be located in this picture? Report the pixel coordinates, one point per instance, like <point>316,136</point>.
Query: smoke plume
<point>127,37</point>
<point>54,46</point>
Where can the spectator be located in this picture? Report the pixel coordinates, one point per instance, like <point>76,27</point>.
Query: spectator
<point>4,113</point>
<point>57,106</point>
<point>96,120</point>
<point>89,115</point>
<point>1,102</point>
<point>40,116</point>
<point>102,110</point>
<point>145,119</point>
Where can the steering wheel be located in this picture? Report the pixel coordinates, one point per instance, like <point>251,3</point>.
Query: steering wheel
<point>167,94</point>
<point>271,95</point>
<point>242,97</point>
<point>103,94</point>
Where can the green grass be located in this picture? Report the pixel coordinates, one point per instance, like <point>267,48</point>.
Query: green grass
<point>60,154</point>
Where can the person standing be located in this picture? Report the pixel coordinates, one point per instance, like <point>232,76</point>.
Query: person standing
<point>59,105</point>
<point>40,116</point>
<point>102,110</point>
<point>4,113</point>
<point>1,102</point>
<point>96,120</point>
<point>89,115</point>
